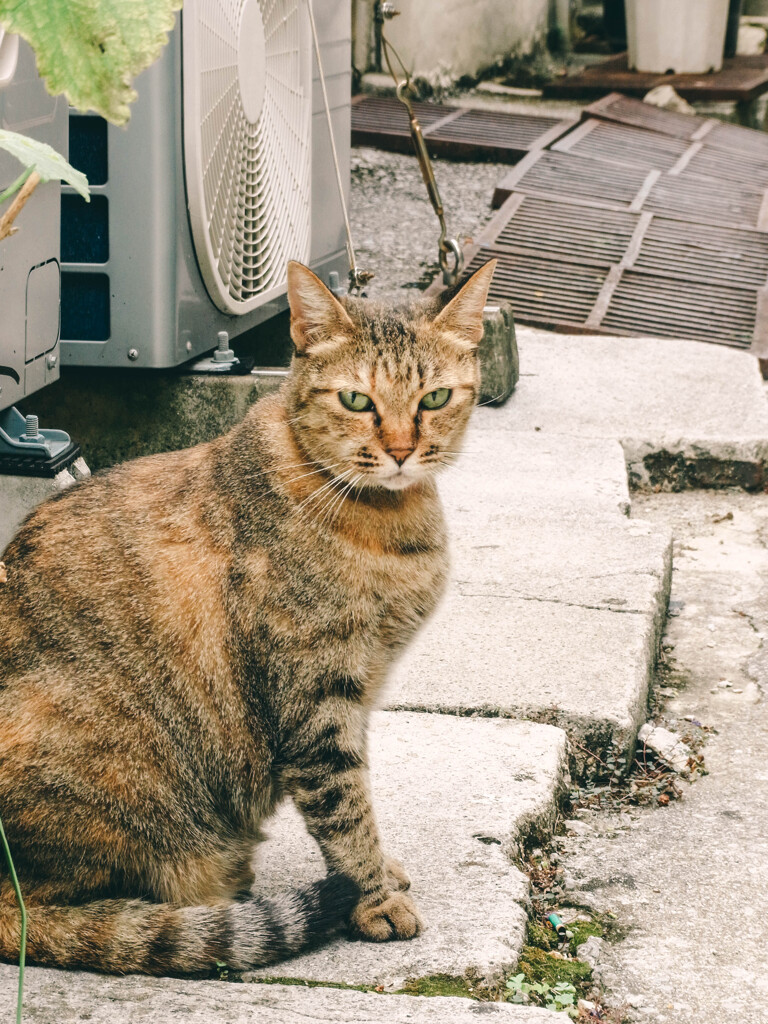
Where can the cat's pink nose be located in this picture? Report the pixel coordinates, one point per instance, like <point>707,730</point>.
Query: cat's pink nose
<point>399,454</point>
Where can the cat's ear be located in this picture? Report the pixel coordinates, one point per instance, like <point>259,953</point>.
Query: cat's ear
<point>317,316</point>
<point>463,316</point>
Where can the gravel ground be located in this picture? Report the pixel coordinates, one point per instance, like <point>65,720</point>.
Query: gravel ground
<point>394,227</point>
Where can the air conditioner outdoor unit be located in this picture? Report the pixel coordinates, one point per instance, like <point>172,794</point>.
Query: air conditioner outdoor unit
<point>224,173</point>
<point>34,463</point>
<point>29,260</point>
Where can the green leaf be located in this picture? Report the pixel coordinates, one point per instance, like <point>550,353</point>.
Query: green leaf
<point>92,49</point>
<point>49,164</point>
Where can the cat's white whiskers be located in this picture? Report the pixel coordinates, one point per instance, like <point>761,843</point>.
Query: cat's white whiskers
<point>324,512</point>
<point>489,401</point>
<point>330,518</point>
<point>321,469</point>
<point>279,469</point>
<point>324,490</point>
<point>328,485</point>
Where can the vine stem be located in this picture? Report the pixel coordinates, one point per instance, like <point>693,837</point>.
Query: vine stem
<point>14,188</point>
<point>23,910</point>
<point>10,215</point>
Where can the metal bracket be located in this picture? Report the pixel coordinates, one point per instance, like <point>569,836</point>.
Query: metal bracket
<point>21,435</point>
<point>223,359</point>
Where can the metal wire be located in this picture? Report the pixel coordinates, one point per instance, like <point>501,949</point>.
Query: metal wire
<point>357,277</point>
<point>449,249</point>
<point>23,911</point>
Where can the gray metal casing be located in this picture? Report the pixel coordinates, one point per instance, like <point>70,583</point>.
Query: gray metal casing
<point>29,260</point>
<point>160,307</point>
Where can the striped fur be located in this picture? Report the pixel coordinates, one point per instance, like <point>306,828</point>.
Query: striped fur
<point>188,638</point>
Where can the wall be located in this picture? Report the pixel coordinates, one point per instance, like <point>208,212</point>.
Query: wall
<point>445,39</point>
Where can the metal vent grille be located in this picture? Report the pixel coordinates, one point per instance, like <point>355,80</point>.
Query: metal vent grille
<point>458,132</point>
<point>542,291</point>
<point>564,175</point>
<point>626,110</point>
<point>706,202</point>
<point>750,171</point>
<point>622,272</point>
<point>623,144</point>
<point>709,254</point>
<point>375,118</point>
<point>247,133</point>
<point>644,304</point>
<point>576,232</point>
<point>734,137</point>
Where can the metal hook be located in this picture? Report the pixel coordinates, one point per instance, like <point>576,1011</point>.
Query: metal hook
<point>450,247</point>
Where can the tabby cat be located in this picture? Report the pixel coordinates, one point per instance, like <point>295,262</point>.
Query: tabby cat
<point>189,637</point>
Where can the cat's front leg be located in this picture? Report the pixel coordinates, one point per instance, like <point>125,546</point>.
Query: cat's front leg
<point>327,776</point>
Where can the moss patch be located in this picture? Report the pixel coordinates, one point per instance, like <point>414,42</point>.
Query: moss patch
<point>540,936</point>
<point>583,930</point>
<point>440,985</point>
<point>303,983</point>
<point>540,965</point>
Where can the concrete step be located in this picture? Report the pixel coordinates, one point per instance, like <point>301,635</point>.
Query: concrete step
<point>73,997</point>
<point>686,414</point>
<point>506,470</point>
<point>557,601</point>
<point>454,798</point>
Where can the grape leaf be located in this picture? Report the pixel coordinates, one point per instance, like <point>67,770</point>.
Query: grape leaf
<point>92,49</point>
<point>49,164</point>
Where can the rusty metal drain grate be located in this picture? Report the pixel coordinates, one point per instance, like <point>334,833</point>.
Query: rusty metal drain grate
<point>623,144</point>
<point>679,193</point>
<point>638,147</point>
<point>628,111</point>
<point>458,132</point>
<point>669,307</point>
<point>560,175</point>
<point>544,292</point>
<point>708,202</point>
<point>591,268</point>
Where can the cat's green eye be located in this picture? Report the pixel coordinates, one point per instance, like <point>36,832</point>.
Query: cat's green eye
<point>355,400</point>
<point>436,399</point>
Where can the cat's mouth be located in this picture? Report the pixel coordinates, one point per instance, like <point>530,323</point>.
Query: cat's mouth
<point>398,480</point>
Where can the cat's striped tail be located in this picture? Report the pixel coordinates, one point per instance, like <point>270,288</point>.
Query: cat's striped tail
<point>138,937</point>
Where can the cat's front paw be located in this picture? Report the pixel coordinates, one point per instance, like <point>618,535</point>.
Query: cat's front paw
<point>397,876</point>
<point>395,917</point>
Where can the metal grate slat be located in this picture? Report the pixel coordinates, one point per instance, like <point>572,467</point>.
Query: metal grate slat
<point>624,144</point>
<point>467,133</point>
<point>542,290</point>
<point>562,229</point>
<point>565,175</point>
<point>627,110</point>
<point>711,312</point>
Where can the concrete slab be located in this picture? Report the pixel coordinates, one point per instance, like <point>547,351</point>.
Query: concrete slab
<point>73,997</point>
<point>686,414</point>
<point>606,562</point>
<point>557,600</point>
<point>454,798</point>
<point>506,465</point>
<point>585,669</point>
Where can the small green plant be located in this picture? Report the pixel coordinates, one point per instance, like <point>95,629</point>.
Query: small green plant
<point>560,996</point>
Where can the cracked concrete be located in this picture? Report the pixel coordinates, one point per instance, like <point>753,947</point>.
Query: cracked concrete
<point>686,881</point>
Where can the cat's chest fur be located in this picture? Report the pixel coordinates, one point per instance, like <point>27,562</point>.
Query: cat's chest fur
<point>343,602</point>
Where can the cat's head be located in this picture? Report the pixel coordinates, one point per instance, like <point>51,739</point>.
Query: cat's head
<point>382,396</point>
